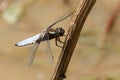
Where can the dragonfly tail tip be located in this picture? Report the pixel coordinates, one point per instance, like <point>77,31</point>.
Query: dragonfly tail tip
<point>16,44</point>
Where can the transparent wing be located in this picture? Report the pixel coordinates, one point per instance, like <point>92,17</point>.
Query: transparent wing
<point>28,41</point>
<point>48,50</point>
<point>50,53</point>
<point>32,55</point>
<point>59,20</point>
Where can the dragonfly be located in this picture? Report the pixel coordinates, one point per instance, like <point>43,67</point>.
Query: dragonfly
<point>46,35</point>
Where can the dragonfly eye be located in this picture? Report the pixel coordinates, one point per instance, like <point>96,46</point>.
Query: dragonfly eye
<point>61,31</point>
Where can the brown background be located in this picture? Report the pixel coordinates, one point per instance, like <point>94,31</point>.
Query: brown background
<point>86,63</point>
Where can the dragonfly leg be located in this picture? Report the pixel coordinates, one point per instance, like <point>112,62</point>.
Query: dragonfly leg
<point>58,39</point>
<point>57,43</point>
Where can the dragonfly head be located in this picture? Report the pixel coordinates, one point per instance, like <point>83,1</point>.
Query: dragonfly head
<point>61,31</point>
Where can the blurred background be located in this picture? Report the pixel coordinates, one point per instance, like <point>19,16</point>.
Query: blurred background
<point>96,56</point>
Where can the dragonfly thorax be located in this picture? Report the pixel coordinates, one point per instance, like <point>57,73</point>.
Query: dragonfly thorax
<point>60,31</point>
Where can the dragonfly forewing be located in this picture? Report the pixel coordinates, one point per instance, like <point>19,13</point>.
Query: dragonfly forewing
<point>48,50</point>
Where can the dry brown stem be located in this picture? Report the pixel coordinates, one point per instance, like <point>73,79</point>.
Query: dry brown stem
<point>76,26</point>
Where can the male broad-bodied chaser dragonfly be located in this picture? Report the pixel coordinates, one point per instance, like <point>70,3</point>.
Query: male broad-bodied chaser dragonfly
<point>46,35</point>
